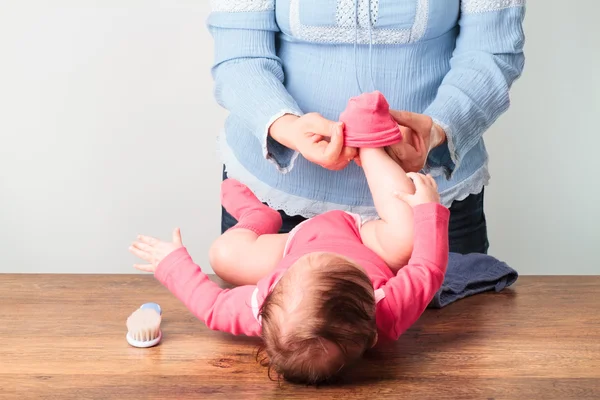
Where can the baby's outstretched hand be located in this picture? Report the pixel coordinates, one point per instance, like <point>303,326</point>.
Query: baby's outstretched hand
<point>154,250</point>
<point>425,191</point>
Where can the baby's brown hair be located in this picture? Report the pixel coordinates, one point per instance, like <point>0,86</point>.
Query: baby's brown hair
<point>336,328</point>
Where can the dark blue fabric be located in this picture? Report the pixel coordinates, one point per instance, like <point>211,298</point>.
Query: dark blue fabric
<point>467,232</point>
<point>471,274</point>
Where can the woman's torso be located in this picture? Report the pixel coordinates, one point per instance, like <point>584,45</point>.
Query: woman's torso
<point>404,52</point>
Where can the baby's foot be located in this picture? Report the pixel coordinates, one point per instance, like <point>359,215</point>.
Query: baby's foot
<point>251,213</point>
<point>237,198</point>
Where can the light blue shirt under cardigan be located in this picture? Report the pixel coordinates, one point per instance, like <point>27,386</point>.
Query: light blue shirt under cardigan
<point>454,60</point>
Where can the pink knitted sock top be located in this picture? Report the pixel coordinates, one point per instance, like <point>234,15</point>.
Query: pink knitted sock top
<point>368,122</point>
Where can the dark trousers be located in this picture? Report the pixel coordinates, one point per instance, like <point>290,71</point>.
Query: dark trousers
<point>467,232</point>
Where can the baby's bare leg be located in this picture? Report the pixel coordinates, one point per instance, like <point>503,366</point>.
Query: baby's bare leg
<point>241,257</point>
<point>391,237</point>
<point>252,248</point>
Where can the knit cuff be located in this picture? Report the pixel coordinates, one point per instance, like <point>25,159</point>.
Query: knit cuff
<point>170,263</point>
<point>429,211</point>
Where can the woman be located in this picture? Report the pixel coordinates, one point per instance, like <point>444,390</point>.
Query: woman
<point>285,69</point>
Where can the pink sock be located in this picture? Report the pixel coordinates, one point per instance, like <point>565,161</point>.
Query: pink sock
<point>368,122</point>
<point>242,204</point>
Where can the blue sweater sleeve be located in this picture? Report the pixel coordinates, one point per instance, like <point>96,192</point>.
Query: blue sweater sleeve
<point>487,59</point>
<point>247,72</point>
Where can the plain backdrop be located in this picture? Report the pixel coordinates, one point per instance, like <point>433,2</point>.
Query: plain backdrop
<point>108,128</point>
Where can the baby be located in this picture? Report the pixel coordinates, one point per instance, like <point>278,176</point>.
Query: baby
<point>323,294</point>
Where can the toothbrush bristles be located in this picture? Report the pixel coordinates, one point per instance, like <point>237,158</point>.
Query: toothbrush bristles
<point>144,325</point>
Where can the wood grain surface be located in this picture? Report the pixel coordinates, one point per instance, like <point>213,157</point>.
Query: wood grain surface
<point>63,337</point>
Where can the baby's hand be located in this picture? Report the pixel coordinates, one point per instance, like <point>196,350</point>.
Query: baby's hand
<point>153,250</point>
<point>426,191</point>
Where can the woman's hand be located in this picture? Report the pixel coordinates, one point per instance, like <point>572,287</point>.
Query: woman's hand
<point>426,191</point>
<point>318,139</point>
<point>154,250</point>
<point>419,136</point>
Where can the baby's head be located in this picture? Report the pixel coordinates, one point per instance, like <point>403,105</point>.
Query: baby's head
<point>319,318</point>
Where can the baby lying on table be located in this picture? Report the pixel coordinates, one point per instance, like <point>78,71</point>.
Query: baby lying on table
<point>321,295</point>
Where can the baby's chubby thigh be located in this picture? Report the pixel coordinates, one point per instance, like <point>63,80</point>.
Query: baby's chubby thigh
<point>240,257</point>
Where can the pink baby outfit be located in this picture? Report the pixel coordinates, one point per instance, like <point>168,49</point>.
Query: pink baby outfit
<point>401,298</point>
<point>368,123</point>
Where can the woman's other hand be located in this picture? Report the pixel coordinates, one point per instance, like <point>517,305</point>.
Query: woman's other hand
<point>419,136</point>
<point>318,139</point>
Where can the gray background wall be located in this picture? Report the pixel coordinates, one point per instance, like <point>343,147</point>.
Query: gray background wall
<point>108,128</point>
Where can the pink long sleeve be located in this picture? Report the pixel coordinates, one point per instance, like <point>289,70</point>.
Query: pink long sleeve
<point>227,310</point>
<point>414,286</point>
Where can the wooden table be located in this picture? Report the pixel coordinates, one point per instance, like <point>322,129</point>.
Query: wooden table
<point>63,337</point>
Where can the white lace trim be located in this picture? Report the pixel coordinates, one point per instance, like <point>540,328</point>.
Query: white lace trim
<point>344,33</point>
<point>265,150</point>
<point>482,6</point>
<point>346,9</point>
<point>242,5</point>
<point>307,208</point>
<point>472,185</point>
<point>421,18</point>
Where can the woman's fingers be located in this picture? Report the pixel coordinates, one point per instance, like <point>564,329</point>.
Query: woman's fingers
<point>316,138</point>
<point>332,151</point>
<point>325,146</point>
<point>349,153</point>
<point>409,119</point>
<point>320,125</point>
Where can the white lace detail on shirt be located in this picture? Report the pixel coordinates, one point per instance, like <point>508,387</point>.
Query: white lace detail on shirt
<point>345,32</point>
<point>242,5</point>
<point>482,6</point>
<point>346,9</point>
<point>421,18</point>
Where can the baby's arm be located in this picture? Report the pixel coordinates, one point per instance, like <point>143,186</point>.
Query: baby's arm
<point>391,237</point>
<point>414,286</point>
<point>228,310</point>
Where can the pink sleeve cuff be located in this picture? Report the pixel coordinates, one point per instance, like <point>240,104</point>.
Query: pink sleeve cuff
<point>428,211</point>
<point>169,263</point>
